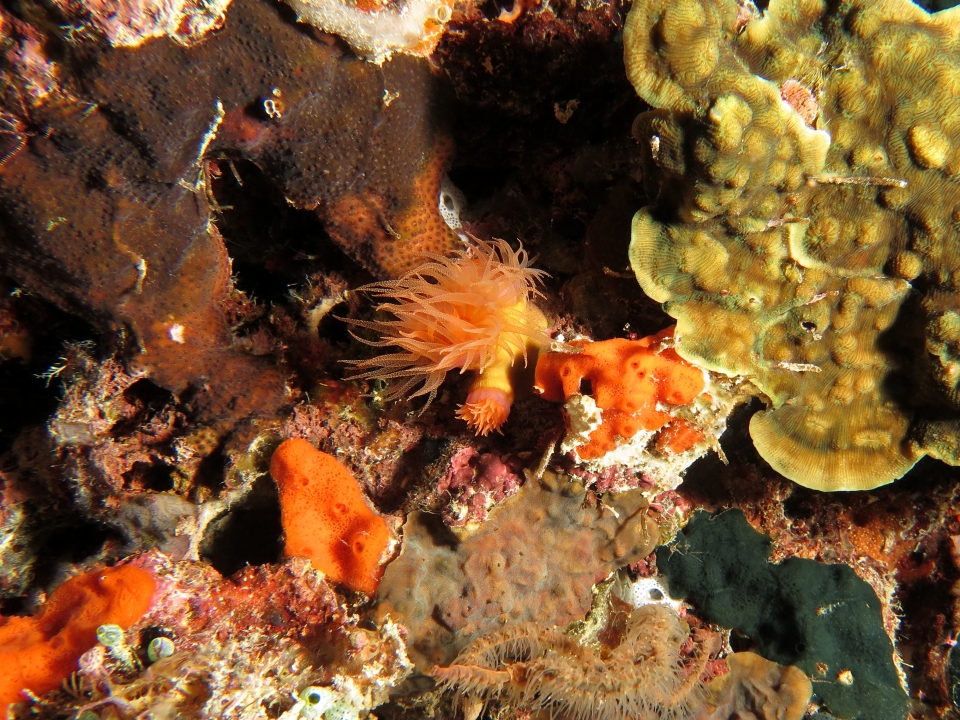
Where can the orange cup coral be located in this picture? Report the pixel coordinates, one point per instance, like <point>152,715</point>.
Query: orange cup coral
<point>633,382</point>
<point>472,312</point>
<point>326,518</point>
<point>37,653</point>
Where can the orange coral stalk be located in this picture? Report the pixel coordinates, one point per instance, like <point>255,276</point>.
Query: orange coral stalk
<point>486,409</point>
<point>472,312</point>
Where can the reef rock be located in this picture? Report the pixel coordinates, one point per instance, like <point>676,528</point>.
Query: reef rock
<point>107,201</point>
<point>805,227</point>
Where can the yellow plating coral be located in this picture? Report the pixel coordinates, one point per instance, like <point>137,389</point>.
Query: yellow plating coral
<point>806,231</point>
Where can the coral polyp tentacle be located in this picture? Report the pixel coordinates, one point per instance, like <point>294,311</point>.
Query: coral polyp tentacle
<point>531,668</point>
<point>471,313</point>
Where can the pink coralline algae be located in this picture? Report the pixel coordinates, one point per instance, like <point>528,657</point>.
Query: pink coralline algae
<point>473,484</point>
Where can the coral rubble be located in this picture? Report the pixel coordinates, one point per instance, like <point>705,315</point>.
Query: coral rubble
<point>129,23</point>
<point>804,230</point>
<point>376,30</point>
<point>251,646</point>
<point>473,484</point>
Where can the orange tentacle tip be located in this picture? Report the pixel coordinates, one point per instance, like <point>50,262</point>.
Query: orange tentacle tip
<point>326,518</point>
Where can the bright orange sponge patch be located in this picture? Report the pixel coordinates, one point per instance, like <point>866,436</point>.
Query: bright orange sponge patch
<point>37,653</point>
<point>326,518</point>
<point>631,382</point>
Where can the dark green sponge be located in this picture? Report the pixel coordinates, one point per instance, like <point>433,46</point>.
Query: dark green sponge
<point>821,618</point>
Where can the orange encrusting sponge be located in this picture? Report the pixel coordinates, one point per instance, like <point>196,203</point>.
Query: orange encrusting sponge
<point>37,653</point>
<point>390,241</point>
<point>627,379</point>
<point>325,517</point>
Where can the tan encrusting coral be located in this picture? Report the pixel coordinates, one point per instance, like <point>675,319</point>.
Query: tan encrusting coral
<point>805,232</point>
<point>757,688</point>
<point>534,560</point>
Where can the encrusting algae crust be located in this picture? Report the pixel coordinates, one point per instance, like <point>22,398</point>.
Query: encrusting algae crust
<point>390,248</point>
<point>805,232</point>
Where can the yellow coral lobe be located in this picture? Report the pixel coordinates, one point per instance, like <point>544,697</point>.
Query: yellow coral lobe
<point>471,312</point>
<point>809,240</point>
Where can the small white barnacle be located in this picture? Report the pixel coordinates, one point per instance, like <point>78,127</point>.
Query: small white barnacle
<point>451,202</point>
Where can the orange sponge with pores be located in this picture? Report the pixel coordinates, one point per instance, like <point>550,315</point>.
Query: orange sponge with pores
<point>390,241</point>
<point>326,518</point>
<point>37,653</point>
<point>630,380</point>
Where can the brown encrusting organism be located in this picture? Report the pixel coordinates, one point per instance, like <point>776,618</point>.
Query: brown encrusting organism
<point>532,668</point>
<point>470,312</point>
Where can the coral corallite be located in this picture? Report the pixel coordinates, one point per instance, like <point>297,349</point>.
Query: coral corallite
<point>37,653</point>
<point>472,312</point>
<point>326,518</point>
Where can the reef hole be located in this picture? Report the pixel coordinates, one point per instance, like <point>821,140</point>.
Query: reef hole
<point>272,245</point>
<point>250,533</point>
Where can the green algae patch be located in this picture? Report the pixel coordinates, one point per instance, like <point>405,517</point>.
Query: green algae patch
<point>805,227</point>
<point>821,618</point>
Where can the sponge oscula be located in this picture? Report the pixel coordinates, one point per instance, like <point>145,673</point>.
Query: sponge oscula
<point>326,518</point>
<point>37,653</point>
